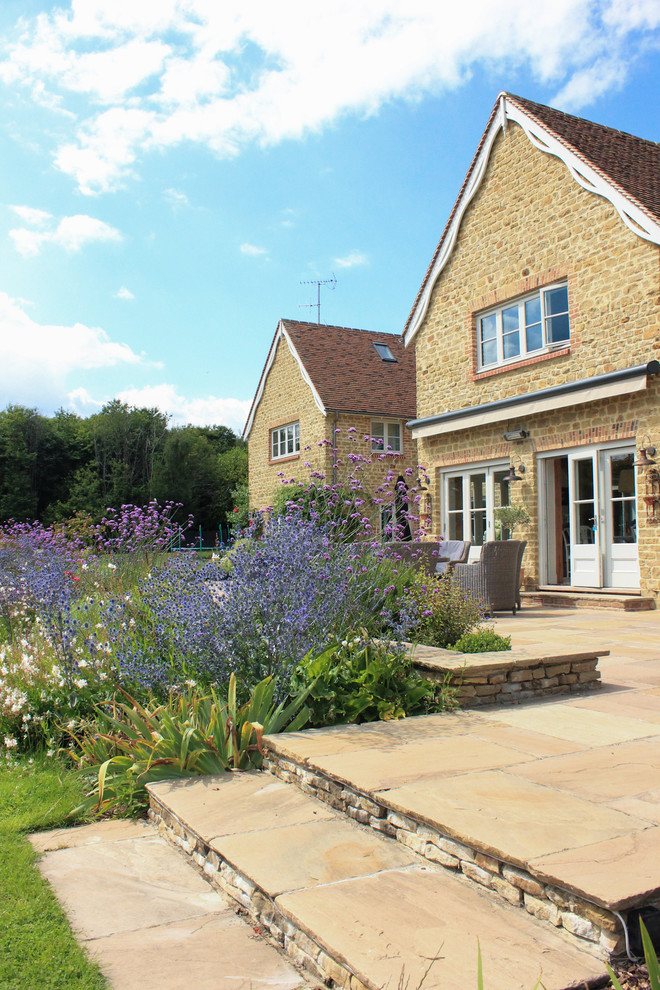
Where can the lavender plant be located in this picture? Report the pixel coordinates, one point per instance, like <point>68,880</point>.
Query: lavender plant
<point>141,530</point>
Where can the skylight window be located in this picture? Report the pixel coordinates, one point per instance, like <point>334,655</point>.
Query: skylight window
<point>384,353</point>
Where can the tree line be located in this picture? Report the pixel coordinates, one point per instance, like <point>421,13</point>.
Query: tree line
<point>54,467</point>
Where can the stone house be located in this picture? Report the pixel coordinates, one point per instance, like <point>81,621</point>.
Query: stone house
<point>536,332</point>
<point>318,380</point>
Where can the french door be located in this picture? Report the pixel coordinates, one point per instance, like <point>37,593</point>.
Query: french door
<point>470,499</point>
<point>596,513</point>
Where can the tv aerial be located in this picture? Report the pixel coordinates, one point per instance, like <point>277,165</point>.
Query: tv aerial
<point>318,282</point>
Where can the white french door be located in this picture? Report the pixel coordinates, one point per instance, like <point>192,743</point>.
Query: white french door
<point>594,512</point>
<point>470,498</point>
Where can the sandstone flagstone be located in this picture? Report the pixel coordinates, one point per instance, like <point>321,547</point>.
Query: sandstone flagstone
<point>375,769</point>
<point>229,803</point>
<point>422,919</point>
<point>507,817</point>
<point>321,852</point>
<point>617,873</point>
<point>565,721</point>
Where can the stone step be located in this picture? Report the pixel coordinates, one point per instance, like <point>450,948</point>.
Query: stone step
<point>351,906</point>
<point>513,800</point>
<point>575,598</point>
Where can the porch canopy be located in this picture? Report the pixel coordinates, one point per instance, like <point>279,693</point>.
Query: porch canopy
<point>593,389</point>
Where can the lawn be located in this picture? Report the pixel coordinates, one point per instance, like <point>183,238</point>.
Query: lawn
<point>37,947</point>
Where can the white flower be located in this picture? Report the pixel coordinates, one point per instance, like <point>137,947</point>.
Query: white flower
<point>83,663</point>
<point>10,743</point>
<point>80,682</point>
<point>112,567</point>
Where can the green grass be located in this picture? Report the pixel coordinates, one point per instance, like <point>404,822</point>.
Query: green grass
<point>37,948</point>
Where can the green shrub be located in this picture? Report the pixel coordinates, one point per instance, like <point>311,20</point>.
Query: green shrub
<point>482,641</point>
<point>359,680</point>
<point>191,735</point>
<point>440,611</point>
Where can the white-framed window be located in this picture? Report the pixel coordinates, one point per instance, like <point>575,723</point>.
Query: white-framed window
<point>535,322</point>
<point>470,496</point>
<point>285,441</point>
<point>386,436</point>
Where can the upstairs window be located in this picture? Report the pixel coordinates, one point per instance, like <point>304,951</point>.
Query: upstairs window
<point>285,441</point>
<point>386,436</point>
<point>536,322</point>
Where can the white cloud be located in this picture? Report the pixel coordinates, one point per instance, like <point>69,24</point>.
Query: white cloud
<point>124,293</point>
<point>154,74</point>
<point>176,197</point>
<point>252,250</point>
<point>351,260</point>
<point>71,233</point>
<point>203,411</point>
<point>36,359</point>
<point>28,214</point>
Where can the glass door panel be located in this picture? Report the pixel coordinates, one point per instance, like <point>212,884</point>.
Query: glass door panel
<point>478,508</point>
<point>620,512</point>
<point>455,528</point>
<point>583,506</point>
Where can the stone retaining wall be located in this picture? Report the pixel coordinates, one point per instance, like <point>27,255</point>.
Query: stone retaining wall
<point>481,683</point>
<point>553,905</point>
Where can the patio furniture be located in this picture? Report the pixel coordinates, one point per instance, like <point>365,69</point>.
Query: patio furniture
<point>421,553</point>
<point>450,553</point>
<point>495,579</point>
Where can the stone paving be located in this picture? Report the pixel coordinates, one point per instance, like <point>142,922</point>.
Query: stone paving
<point>535,801</point>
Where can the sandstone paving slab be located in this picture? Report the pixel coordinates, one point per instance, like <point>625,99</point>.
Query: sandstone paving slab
<point>311,743</point>
<point>526,740</point>
<point>315,853</point>
<point>601,774</point>
<point>490,662</point>
<point>85,835</point>
<point>617,873</point>
<point>507,817</point>
<point>644,705</point>
<point>211,952</point>
<point>375,769</point>
<point>230,803</point>
<point>645,806</point>
<point>565,721</point>
<point>389,927</point>
<point>122,886</point>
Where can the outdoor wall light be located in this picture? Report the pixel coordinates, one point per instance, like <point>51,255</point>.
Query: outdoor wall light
<point>512,476</point>
<point>646,454</point>
<point>514,435</point>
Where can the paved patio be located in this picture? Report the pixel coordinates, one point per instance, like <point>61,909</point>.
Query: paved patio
<point>521,826</point>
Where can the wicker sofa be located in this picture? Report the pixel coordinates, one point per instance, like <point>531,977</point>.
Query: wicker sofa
<point>495,578</point>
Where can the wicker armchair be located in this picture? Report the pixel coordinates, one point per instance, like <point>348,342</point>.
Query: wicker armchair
<point>495,578</point>
<point>450,553</point>
<point>421,554</point>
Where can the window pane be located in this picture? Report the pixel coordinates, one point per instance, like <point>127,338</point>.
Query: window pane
<point>488,327</point>
<point>478,491</point>
<point>534,337</point>
<point>455,526</point>
<point>489,352</point>
<point>556,301</point>
<point>377,436</point>
<point>455,495</point>
<point>586,532</point>
<point>558,329</point>
<point>533,311</point>
<point>510,319</point>
<point>511,344</point>
<point>624,521</point>
<point>394,436</point>
<point>584,480</point>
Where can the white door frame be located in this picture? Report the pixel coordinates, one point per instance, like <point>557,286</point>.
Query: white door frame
<point>601,453</point>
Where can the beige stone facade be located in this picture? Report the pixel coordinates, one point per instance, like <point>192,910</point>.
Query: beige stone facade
<point>288,398</point>
<point>530,224</point>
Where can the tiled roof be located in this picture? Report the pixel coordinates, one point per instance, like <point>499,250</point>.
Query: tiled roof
<point>629,163</point>
<point>347,372</point>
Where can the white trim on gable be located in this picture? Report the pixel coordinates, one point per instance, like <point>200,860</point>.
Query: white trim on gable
<point>281,332</point>
<point>636,219</point>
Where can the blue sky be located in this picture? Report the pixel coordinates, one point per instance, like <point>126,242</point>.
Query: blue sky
<point>172,170</point>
